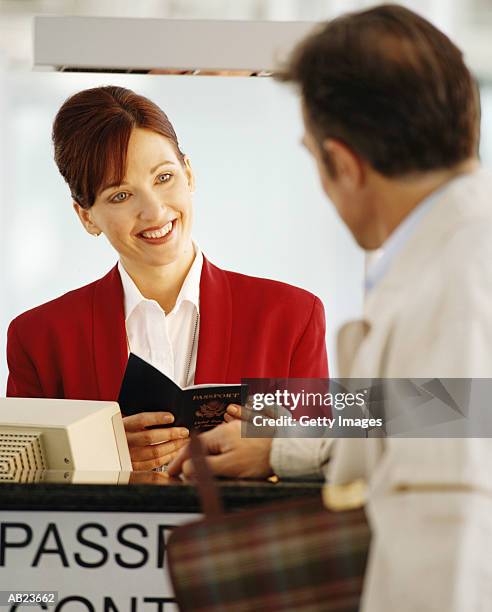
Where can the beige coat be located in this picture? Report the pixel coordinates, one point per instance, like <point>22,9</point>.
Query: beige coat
<point>430,316</point>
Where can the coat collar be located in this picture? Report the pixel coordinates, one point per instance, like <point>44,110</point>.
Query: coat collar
<point>461,202</point>
<point>109,339</point>
<point>214,342</point>
<point>453,208</point>
<point>349,339</point>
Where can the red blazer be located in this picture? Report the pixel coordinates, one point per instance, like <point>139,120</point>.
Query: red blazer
<point>74,347</point>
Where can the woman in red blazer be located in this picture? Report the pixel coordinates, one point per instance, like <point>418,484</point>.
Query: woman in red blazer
<point>120,156</point>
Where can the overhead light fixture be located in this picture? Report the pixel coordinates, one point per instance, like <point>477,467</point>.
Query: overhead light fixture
<point>164,46</point>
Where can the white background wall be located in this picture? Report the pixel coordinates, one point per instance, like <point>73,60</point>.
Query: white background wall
<point>259,207</point>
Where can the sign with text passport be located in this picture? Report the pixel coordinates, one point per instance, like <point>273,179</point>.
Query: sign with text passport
<point>86,561</point>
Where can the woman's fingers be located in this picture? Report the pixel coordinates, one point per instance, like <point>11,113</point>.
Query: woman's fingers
<point>151,457</point>
<point>156,451</point>
<point>143,466</point>
<point>234,411</point>
<point>152,448</point>
<point>155,436</point>
<point>152,464</point>
<point>247,412</point>
<point>149,477</point>
<point>237,412</point>
<point>137,422</point>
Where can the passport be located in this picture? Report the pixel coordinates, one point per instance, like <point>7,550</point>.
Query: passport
<point>199,407</point>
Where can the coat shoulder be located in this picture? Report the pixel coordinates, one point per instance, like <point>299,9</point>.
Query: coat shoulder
<point>68,307</point>
<point>255,287</point>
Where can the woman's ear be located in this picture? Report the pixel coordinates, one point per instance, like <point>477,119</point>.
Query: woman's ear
<point>84,214</point>
<point>189,173</point>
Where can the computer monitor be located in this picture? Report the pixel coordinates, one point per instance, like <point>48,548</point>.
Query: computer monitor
<point>37,435</point>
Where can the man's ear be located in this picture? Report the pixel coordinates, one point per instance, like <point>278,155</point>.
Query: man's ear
<point>189,173</point>
<point>347,165</point>
<point>85,217</point>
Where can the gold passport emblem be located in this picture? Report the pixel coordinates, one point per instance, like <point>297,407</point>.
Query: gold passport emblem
<point>211,409</point>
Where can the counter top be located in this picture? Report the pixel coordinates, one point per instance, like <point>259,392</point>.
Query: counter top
<point>146,492</point>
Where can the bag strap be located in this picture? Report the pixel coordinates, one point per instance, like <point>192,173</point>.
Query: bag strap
<point>207,489</point>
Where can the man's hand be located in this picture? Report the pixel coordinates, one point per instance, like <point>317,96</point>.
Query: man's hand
<point>151,448</point>
<point>228,454</point>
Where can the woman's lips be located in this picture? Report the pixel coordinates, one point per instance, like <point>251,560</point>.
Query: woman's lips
<point>153,237</point>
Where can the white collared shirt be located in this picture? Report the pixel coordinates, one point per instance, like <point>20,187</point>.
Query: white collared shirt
<point>165,340</point>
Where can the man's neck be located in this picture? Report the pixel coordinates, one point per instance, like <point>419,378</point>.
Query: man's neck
<point>397,198</point>
<point>162,283</point>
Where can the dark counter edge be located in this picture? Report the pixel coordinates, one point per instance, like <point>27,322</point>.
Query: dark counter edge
<point>180,497</point>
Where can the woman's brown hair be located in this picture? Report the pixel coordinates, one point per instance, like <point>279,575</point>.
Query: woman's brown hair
<point>91,133</point>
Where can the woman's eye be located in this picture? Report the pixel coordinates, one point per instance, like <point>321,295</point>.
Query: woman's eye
<point>164,177</point>
<point>119,197</point>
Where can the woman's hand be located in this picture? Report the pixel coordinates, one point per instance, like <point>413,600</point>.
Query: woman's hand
<point>233,413</point>
<point>236,412</point>
<point>151,448</point>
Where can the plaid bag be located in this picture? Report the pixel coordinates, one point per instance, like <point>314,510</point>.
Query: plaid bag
<point>294,555</point>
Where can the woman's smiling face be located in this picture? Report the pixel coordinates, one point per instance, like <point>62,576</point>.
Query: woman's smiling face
<point>148,218</point>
